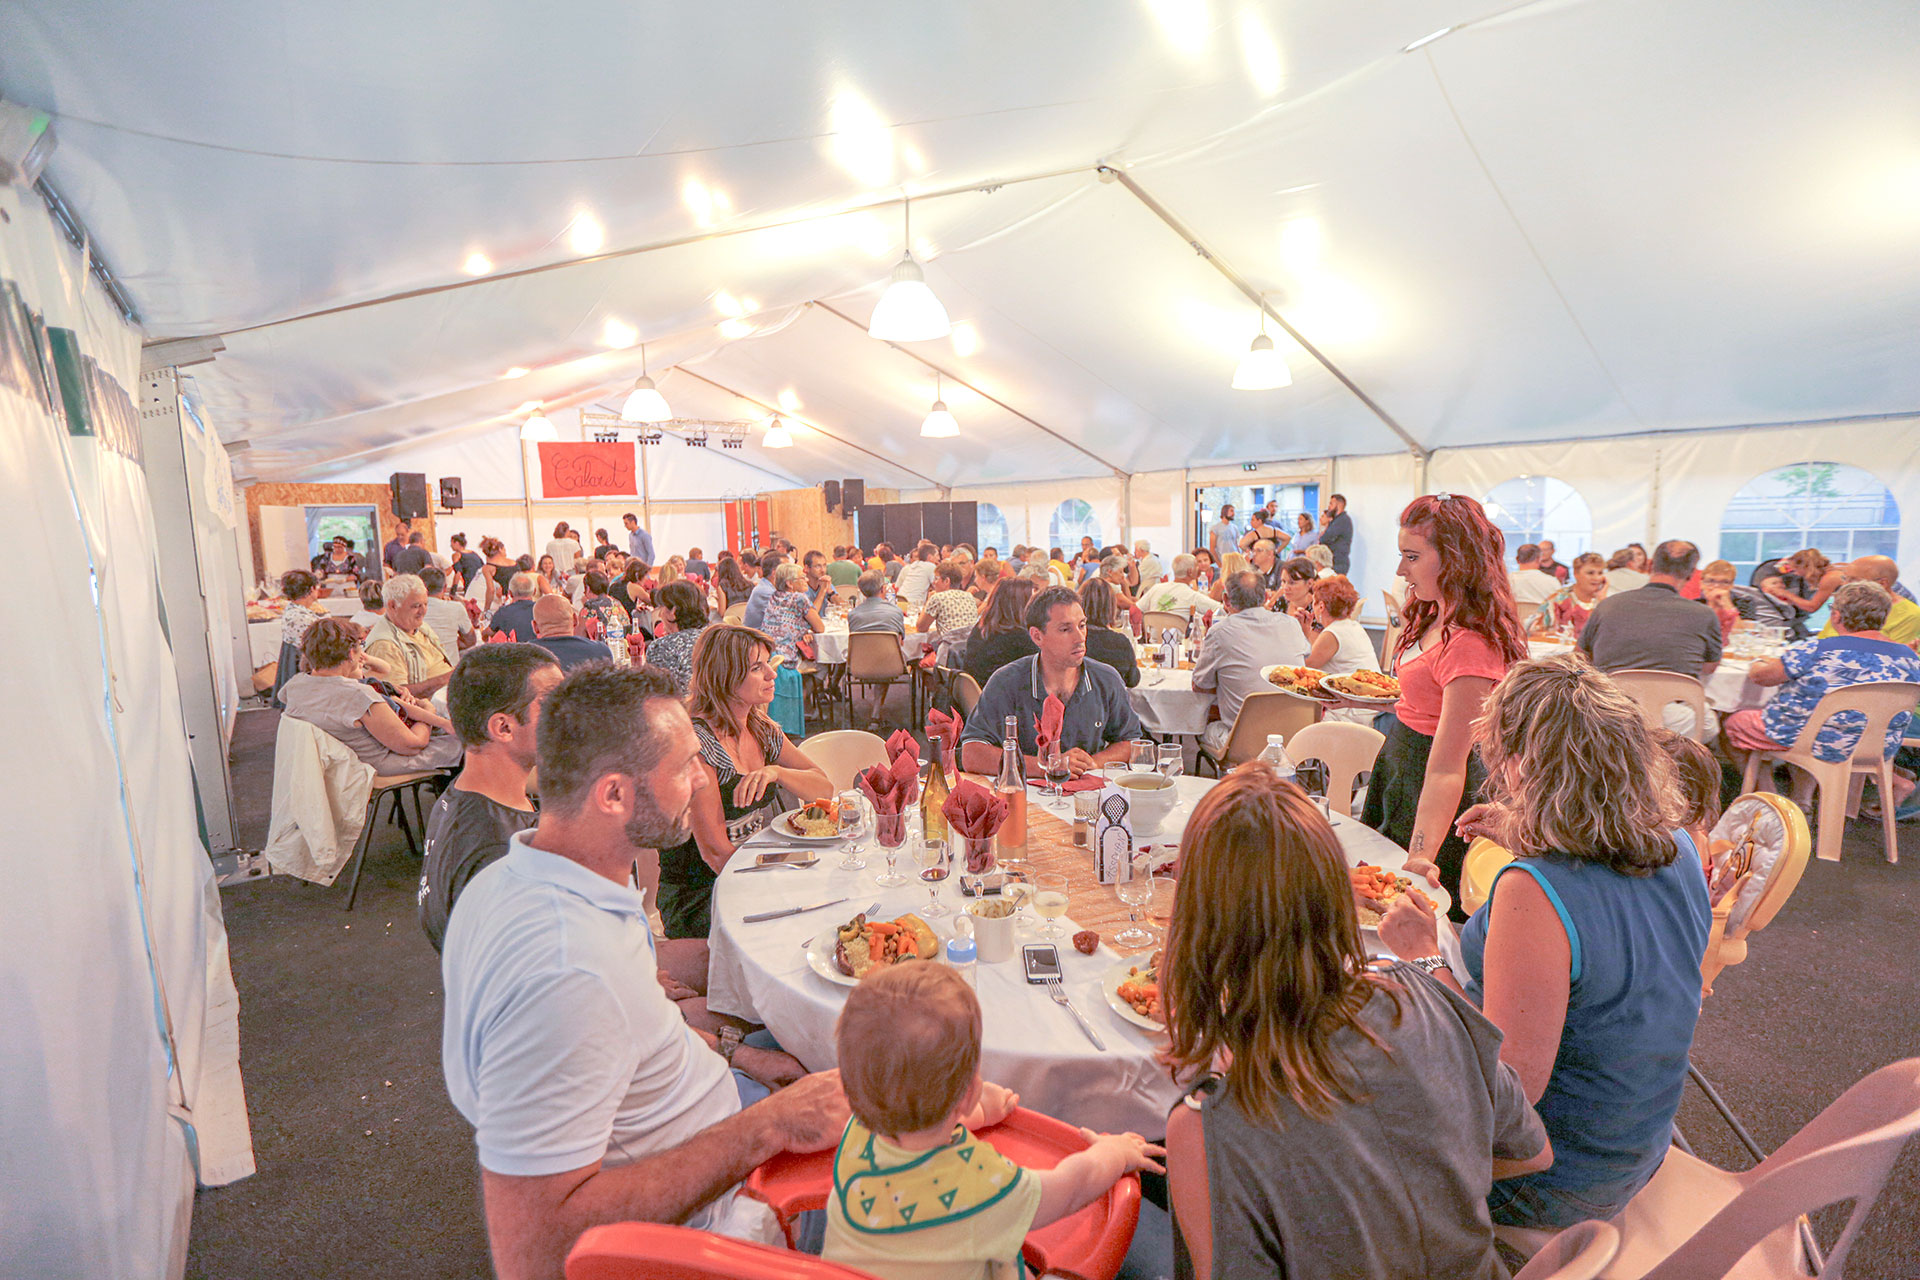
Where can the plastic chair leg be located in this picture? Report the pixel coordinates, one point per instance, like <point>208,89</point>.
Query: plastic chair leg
<point>1889,827</point>
<point>1833,817</point>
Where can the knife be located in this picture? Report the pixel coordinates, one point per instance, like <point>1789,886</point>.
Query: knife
<point>788,911</point>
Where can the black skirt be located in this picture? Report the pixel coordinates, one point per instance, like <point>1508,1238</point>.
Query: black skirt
<point>1393,798</point>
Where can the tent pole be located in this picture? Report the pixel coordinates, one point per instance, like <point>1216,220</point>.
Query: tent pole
<point>526,495</point>
<point>1160,211</point>
<point>646,493</point>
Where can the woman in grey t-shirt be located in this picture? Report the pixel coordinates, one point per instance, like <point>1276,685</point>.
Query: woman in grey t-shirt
<point>332,698</point>
<point>1361,1112</point>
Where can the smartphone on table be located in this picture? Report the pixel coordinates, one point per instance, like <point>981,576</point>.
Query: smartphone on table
<point>785,855</point>
<point>1041,961</point>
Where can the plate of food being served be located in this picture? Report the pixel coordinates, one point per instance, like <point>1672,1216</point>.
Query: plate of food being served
<point>1132,987</point>
<point>817,821</point>
<point>1376,889</point>
<point>851,951</point>
<point>1301,682</point>
<point>1374,688</point>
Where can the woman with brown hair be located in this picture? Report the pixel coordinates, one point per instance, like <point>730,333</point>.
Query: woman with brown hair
<point>1806,571</point>
<point>1001,634</point>
<point>1104,642</point>
<point>747,760</point>
<point>1587,952</point>
<point>1461,633</point>
<point>1572,605</point>
<point>401,734</point>
<point>1360,1113</point>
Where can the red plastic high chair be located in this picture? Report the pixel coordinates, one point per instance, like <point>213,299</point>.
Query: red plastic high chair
<point>653,1251</point>
<point>1090,1245</point>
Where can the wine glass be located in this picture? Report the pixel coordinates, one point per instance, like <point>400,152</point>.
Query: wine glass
<point>1144,756</point>
<point>890,832</point>
<point>1018,892</point>
<point>1135,891</point>
<point>1312,777</point>
<point>1114,770</point>
<point>1170,759</point>
<point>936,864</point>
<point>1050,901</point>
<point>1054,765</point>
<point>853,815</point>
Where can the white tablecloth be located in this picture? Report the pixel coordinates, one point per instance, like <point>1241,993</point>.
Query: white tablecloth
<point>1728,688</point>
<point>760,972</point>
<point>263,641</point>
<point>832,644</point>
<point>1166,702</point>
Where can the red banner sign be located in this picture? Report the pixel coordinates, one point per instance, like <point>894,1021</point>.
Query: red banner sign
<point>582,470</point>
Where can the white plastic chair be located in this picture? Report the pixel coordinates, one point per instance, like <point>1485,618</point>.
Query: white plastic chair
<point>1348,750</point>
<point>1578,1253</point>
<point>1155,622</point>
<point>844,754</point>
<point>1880,701</point>
<point>1655,691</point>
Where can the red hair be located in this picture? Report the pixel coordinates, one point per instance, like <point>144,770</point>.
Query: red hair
<point>1473,575</point>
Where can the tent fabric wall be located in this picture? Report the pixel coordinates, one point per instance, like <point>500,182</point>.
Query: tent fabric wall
<point>1377,487</point>
<point>1615,477</point>
<point>121,1052</point>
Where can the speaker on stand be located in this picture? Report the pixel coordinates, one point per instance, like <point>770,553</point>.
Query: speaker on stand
<point>409,494</point>
<point>450,499</point>
<point>853,494</point>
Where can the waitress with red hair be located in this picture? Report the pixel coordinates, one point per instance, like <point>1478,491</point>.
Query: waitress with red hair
<point>1461,634</point>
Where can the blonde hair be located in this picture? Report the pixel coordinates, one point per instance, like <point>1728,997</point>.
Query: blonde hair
<point>909,1046</point>
<point>722,656</point>
<point>1592,782</point>
<point>1231,563</point>
<point>669,573</point>
<point>1719,569</point>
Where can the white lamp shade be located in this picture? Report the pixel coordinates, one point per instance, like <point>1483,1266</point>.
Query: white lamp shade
<point>939,424</point>
<point>537,429</point>
<point>777,437</point>
<point>645,403</point>
<point>1261,369</point>
<point>908,311</point>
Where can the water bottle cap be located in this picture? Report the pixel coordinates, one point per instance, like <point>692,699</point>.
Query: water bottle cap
<point>961,951</point>
<point>1276,739</point>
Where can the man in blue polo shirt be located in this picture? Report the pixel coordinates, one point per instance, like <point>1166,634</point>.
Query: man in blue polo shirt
<point>1099,724</point>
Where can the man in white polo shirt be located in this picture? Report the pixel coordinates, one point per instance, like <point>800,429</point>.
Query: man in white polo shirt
<point>592,1101</point>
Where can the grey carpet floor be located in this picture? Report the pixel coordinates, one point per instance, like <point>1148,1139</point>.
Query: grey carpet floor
<point>365,1169</point>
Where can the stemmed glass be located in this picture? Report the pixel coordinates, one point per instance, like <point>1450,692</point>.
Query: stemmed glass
<point>853,815</point>
<point>1170,759</point>
<point>1050,901</point>
<point>1135,891</point>
<point>1054,765</point>
<point>936,864</point>
<point>890,832</point>
<point>1144,755</point>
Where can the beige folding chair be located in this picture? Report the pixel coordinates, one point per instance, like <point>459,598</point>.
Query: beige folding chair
<point>1261,714</point>
<point>1578,1253</point>
<point>966,692</point>
<point>1155,622</point>
<point>1839,781</point>
<point>844,754</point>
<point>735,613</point>
<point>1348,750</point>
<point>874,660</point>
<point>1655,691</point>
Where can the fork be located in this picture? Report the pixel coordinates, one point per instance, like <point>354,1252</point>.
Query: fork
<point>1059,994</point>
<point>806,943</point>
<point>774,866</point>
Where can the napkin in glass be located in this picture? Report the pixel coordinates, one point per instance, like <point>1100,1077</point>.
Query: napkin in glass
<point>902,743</point>
<point>974,812</point>
<point>891,788</point>
<point>1046,732</point>
<point>943,728</point>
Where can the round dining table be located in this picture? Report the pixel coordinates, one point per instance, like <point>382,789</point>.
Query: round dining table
<point>759,970</point>
<point>1729,687</point>
<point>831,644</point>
<point>1168,704</point>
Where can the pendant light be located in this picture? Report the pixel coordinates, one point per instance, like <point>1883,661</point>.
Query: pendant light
<point>777,437</point>
<point>536,429</point>
<point>908,311</point>
<point>939,423</point>
<point>644,402</point>
<point>1262,368</point>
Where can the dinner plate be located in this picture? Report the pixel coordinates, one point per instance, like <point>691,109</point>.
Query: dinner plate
<point>1442,900</point>
<point>820,957</point>
<point>1110,987</point>
<point>1266,674</point>
<point>783,827</point>
<point>1335,683</point>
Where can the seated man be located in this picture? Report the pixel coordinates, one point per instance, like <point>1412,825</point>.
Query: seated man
<point>372,605</point>
<point>1655,628</point>
<point>413,557</point>
<point>401,641</point>
<point>1099,724</point>
<point>591,1099</point>
<point>1147,567</point>
<point>448,619</point>
<point>1531,585</point>
<point>875,612</point>
<point>553,630</point>
<point>1180,595</point>
<point>1903,618</point>
<point>514,620</point>
<point>1237,647</point>
<point>756,615</point>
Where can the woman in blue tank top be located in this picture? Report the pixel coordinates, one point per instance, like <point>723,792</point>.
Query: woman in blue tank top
<point>1587,953</point>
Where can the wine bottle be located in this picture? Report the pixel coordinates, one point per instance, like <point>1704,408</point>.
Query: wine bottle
<point>933,796</point>
<point>1011,786</point>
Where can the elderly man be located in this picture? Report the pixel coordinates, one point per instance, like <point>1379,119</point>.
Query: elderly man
<point>1655,628</point>
<point>401,640</point>
<point>514,619</point>
<point>1147,565</point>
<point>1551,567</point>
<point>554,623</point>
<point>1903,618</point>
<point>1098,725</point>
<point>1180,595</point>
<point>1531,585</point>
<point>1266,562</point>
<point>1238,647</point>
<point>592,1100</point>
<point>875,612</point>
<point>1113,571</point>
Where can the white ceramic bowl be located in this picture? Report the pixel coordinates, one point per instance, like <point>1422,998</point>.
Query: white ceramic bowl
<point>1151,797</point>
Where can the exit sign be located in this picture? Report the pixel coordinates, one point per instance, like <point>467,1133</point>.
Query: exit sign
<point>1249,466</point>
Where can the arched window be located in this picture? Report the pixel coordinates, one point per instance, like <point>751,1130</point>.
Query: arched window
<point>1072,520</point>
<point>1532,508</point>
<point>993,529</point>
<point>1842,511</point>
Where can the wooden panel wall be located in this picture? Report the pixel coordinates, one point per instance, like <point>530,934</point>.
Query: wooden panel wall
<point>377,496</point>
<point>802,516</point>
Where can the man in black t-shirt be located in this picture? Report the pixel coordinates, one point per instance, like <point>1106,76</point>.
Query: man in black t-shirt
<point>494,703</point>
<point>414,556</point>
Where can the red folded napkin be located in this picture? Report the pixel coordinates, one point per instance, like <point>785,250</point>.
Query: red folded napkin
<point>902,744</point>
<point>1046,733</point>
<point>1085,782</point>
<point>972,811</point>
<point>892,787</point>
<point>942,727</point>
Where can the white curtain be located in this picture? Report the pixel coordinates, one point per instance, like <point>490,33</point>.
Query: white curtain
<point>1376,487</point>
<point>1158,513</point>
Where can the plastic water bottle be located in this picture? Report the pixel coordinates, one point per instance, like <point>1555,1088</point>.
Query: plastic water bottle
<point>617,640</point>
<point>963,955</point>
<point>1276,758</point>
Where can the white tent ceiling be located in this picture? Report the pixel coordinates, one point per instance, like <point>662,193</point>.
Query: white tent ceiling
<point>1561,219</point>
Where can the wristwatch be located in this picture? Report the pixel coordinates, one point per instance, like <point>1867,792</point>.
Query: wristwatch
<point>729,1038</point>
<point>1425,964</point>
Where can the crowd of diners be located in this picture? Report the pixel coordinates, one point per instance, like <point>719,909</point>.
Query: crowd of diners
<point>1343,1114</point>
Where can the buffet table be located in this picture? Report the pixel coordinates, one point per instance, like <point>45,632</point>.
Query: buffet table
<point>760,971</point>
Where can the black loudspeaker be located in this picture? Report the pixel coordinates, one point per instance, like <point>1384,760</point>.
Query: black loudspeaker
<point>936,524</point>
<point>409,494</point>
<point>450,499</point>
<point>965,518</point>
<point>853,494</point>
<point>832,488</point>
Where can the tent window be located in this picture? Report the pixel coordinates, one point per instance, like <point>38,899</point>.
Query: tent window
<point>1073,520</point>
<point>1529,508</point>
<point>993,529</point>
<point>1842,511</point>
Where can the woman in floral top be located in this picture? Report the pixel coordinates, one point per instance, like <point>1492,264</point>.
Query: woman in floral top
<point>790,614</point>
<point>302,591</point>
<point>684,617</point>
